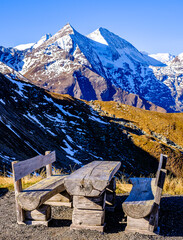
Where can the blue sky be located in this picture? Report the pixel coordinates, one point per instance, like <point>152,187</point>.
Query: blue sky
<point>150,25</point>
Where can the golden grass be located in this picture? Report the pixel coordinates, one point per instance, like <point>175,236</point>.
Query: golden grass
<point>172,186</point>
<point>27,181</point>
<point>7,182</point>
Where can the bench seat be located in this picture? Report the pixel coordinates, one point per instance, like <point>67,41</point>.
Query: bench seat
<point>143,203</point>
<point>35,195</point>
<point>141,199</point>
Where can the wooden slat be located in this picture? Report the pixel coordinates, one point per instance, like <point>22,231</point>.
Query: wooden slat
<point>92,179</point>
<point>23,168</point>
<point>34,196</point>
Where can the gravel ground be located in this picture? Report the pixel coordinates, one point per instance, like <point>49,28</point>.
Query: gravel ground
<point>171,223</point>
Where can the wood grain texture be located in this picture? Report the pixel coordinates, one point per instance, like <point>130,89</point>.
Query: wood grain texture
<point>34,196</point>
<point>23,168</point>
<point>92,179</point>
<point>43,213</point>
<point>141,199</point>
<point>92,203</point>
<point>18,188</point>
<point>88,217</point>
<point>95,228</point>
<point>48,167</point>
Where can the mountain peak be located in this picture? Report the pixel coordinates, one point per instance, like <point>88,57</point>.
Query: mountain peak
<point>97,36</point>
<point>67,29</point>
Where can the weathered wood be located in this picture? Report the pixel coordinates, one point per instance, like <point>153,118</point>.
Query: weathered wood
<point>140,201</point>
<point>88,217</point>
<point>48,166</point>
<point>43,213</point>
<point>92,203</point>
<point>162,165</point>
<point>142,205</point>
<point>34,196</point>
<point>95,228</point>
<point>18,188</point>
<point>23,168</point>
<point>138,225</point>
<point>60,199</point>
<point>32,222</point>
<point>92,179</point>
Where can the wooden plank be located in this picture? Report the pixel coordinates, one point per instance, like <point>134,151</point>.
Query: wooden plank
<point>43,213</point>
<point>162,165</point>
<point>88,217</point>
<point>18,188</point>
<point>48,167</point>
<point>95,228</point>
<point>92,179</point>
<point>23,168</point>
<point>60,199</point>
<point>141,199</point>
<point>139,224</point>
<point>32,222</point>
<point>92,203</point>
<point>34,196</point>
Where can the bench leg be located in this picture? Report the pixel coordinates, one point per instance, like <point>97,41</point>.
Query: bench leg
<point>39,216</point>
<point>111,196</point>
<point>88,213</point>
<point>142,225</point>
<point>20,213</point>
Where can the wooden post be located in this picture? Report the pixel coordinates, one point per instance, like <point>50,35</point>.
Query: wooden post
<point>18,188</point>
<point>48,167</point>
<point>111,195</point>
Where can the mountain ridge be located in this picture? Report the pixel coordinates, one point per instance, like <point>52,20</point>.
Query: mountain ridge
<point>100,66</point>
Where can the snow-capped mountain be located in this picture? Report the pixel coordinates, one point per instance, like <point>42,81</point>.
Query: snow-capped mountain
<point>172,76</point>
<point>98,66</point>
<point>23,47</point>
<point>163,57</point>
<point>13,57</point>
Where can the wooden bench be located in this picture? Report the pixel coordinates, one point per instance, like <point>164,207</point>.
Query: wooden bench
<point>33,203</point>
<point>88,186</point>
<point>142,205</point>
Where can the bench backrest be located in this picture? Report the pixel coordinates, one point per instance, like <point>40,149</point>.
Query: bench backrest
<point>23,168</point>
<point>161,168</point>
<point>160,178</point>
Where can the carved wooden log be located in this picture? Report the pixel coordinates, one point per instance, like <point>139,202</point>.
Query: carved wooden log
<point>34,196</point>
<point>92,179</point>
<point>43,213</point>
<point>141,199</point>
<point>142,205</point>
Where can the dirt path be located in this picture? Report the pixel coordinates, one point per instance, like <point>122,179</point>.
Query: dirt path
<point>171,223</point>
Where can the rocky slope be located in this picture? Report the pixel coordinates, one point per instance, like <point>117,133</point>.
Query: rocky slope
<point>100,66</point>
<point>172,76</point>
<point>33,121</point>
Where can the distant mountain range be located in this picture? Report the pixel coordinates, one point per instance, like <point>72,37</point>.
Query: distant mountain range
<point>100,66</point>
